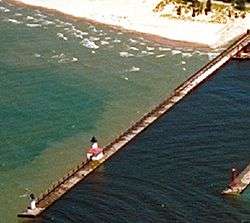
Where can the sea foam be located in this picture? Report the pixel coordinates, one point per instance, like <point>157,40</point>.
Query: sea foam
<point>61,36</point>
<point>175,52</point>
<point>33,25</point>
<point>89,44</point>
<point>126,54</point>
<point>3,9</point>
<point>14,21</point>
<point>164,49</point>
<point>160,56</point>
<point>134,69</point>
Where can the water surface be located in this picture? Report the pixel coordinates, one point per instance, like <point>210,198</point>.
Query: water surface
<point>62,81</point>
<point>176,169</point>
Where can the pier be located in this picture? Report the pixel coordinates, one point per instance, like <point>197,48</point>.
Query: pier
<point>244,53</point>
<point>239,184</point>
<point>81,171</point>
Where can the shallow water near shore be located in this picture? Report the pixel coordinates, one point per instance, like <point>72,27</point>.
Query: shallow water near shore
<point>176,169</point>
<point>61,82</point>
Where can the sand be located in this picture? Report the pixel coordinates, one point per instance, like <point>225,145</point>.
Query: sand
<point>139,16</point>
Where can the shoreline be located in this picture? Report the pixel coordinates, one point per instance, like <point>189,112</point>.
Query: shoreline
<point>148,36</point>
<point>153,28</point>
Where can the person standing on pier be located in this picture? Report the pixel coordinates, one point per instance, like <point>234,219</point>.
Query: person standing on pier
<point>234,174</point>
<point>32,202</point>
<point>95,152</point>
<point>94,143</point>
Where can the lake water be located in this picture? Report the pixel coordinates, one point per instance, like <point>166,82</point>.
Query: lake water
<point>64,80</point>
<point>176,169</point>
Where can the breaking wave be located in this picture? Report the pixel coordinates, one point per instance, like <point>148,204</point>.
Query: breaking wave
<point>89,44</point>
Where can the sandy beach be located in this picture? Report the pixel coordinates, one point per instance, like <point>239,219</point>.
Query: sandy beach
<point>139,16</point>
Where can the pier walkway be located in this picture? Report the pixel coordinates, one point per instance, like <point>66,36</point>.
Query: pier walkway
<point>240,183</point>
<point>85,168</point>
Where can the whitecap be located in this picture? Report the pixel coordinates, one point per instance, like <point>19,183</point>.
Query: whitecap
<point>212,55</point>
<point>18,14</point>
<point>186,54</point>
<point>58,56</point>
<point>199,52</point>
<point>89,44</point>
<point>30,17</point>
<point>84,33</point>
<point>78,35</point>
<point>164,49</point>
<point>133,48</point>
<point>60,35</point>
<point>104,42</point>
<point>23,195</point>
<point>175,52</point>
<point>58,20</point>
<point>93,51</point>
<point>116,41</point>
<point>143,44</point>
<point>68,24</point>
<point>119,33</point>
<point>126,54</point>
<point>134,69</point>
<point>33,25</point>
<point>74,59</point>
<point>14,21</point>
<point>3,9</point>
<point>125,78</point>
<point>62,58</point>
<point>183,62</point>
<point>132,40</point>
<point>41,15</point>
<point>37,55</point>
<point>92,38</point>
<point>150,48</point>
<point>184,68</point>
<point>47,22</point>
<point>107,38</point>
<point>147,53</point>
<point>93,29</point>
<point>160,56</point>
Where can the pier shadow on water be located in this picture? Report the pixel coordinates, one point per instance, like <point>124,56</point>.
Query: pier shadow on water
<point>175,170</point>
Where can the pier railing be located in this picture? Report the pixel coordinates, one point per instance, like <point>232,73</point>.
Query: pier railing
<point>147,119</point>
<point>155,110</point>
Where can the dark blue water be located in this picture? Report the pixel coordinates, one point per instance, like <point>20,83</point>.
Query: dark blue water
<point>175,170</point>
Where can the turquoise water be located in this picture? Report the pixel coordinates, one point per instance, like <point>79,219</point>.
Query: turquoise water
<point>63,80</point>
<point>176,169</point>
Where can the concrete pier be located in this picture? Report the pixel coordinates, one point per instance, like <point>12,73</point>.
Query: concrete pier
<point>244,53</point>
<point>239,184</point>
<point>86,168</point>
